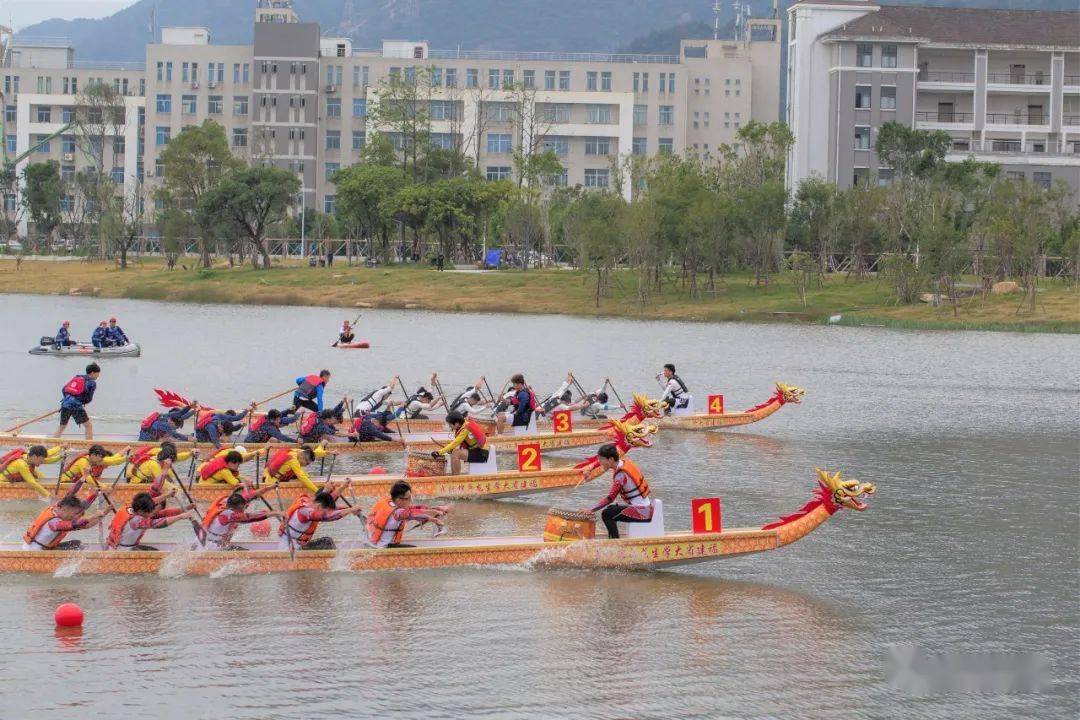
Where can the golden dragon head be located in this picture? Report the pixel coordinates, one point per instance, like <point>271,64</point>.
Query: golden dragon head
<point>789,393</point>
<point>649,408</point>
<point>845,493</point>
<point>632,434</point>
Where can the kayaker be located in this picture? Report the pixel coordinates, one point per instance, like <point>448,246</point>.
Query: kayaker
<point>469,443</point>
<point>63,339</point>
<point>387,519</point>
<point>265,428</point>
<point>213,427</point>
<point>371,427</point>
<point>288,465</point>
<point>628,484</point>
<point>309,391</point>
<point>21,465</point>
<point>100,338</point>
<point>374,399</point>
<point>228,512</point>
<point>116,335</point>
<point>131,523</point>
<point>420,402</point>
<point>676,394</point>
<point>92,463</point>
<point>151,465</point>
<point>75,396</point>
<point>346,335</point>
<point>52,525</point>
<point>316,427</point>
<point>522,404</point>
<point>158,426</point>
<point>224,467</point>
<point>302,519</point>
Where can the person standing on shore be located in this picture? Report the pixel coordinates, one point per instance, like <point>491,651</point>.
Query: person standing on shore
<point>76,395</point>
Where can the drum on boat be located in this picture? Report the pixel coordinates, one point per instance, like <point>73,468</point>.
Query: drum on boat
<point>421,464</point>
<point>566,525</point>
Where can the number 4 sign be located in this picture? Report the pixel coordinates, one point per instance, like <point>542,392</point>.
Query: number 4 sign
<point>716,404</point>
<point>562,421</point>
<point>706,515</point>
<point>528,457</point>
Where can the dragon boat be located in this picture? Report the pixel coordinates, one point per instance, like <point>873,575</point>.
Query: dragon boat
<point>635,553</point>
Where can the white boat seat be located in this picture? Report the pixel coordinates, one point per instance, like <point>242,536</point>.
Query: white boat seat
<point>653,528</point>
<point>484,468</point>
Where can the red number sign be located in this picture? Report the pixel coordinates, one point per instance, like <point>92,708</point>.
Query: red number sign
<point>716,404</point>
<point>562,421</point>
<point>528,456</point>
<point>706,515</point>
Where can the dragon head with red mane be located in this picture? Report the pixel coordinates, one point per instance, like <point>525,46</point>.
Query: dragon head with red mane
<point>625,435</point>
<point>832,493</point>
<point>783,395</point>
<point>644,408</point>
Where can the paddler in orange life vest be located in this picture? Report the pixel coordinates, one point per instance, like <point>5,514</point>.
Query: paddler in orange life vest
<point>228,512</point>
<point>302,519</point>
<point>21,465</point>
<point>288,464</point>
<point>309,391</point>
<point>146,512</point>
<point>52,524</point>
<point>224,467</point>
<point>629,484</point>
<point>92,463</point>
<point>387,520</point>
<point>469,443</point>
<point>522,405</point>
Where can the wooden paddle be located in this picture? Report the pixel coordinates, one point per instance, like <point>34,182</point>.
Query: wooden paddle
<point>200,532</point>
<point>14,430</point>
<point>608,382</point>
<point>285,519</point>
<point>406,406</point>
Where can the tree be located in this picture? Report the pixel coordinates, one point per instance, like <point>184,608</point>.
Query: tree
<point>194,162</point>
<point>402,109</point>
<point>801,270</point>
<point>98,120</point>
<point>364,192</point>
<point>122,222</point>
<point>13,211</point>
<point>810,219</point>
<point>592,225</point>
<point>250,201</point>
<point>910,152</point>
<point>41,196</point>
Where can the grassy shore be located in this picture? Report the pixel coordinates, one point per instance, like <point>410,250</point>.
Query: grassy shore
<point>859,302</point>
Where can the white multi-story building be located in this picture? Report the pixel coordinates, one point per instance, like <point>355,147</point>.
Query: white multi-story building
<point>1005,85</point>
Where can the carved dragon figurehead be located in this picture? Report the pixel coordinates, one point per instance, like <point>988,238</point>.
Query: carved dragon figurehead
<point>645,407</point>
<point>789,393</point>
<point>837,492</point>
<point>628,434</point>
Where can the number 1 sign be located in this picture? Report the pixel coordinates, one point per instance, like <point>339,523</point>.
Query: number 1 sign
<point>706,515</point>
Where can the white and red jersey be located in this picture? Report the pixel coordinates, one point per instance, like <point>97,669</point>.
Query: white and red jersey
<point>301,525</point>
<point>220,529</point>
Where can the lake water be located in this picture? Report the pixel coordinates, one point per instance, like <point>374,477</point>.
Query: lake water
<point>969,546</point>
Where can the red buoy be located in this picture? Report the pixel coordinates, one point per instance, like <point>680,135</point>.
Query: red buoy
<point>377,470</point>
<point>69,615</point>
<point>260,528</point>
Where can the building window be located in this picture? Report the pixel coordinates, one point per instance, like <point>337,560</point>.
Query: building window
<point>10,112</point>
<point>333,139</point>
<point>558,144</point>
<point>67,143</point>
<point>667,114</point>
<point>44,114</point>
<point>862,97</point>
<point>499,111</point>
<point>860,176</point>
<point>637,82</point>
<point>528,79</point>
<point>564,80</point>
<point>641,114</point>
<point>888,56</point>
<point>1005,145</point>
<point>9,142</point>
<point>597,146</point>
<point>864,55</point>
<point>162,135</point>
<point>330,204</point>
<point>240,105</point>
<point>559,179</point>
<point>215,104</point>
<point>333,107</point>
<point>331,169</point>
<point>605,81</point>
<point>862,138</point>
<point>498,172</point>
<point>671,82</point>
<point>160,71</point>
<point>443,110</point>
<point>188,104</point>
<point>598,114</point>
<point>42,143</point>
<point>239,137</point>
<point>358,137</point>
<point>1042,179</point>
<point>163,103</point>
<point>640,146</point>
<point>119,145</point>
<point>884,176</point>
<point>472,77</point>
<point>597,177</point>
<point>508,78</point>
<point>493,79</point>
<point>117,175</point>
<point>451,77</point>
<point>410,75</point>
<point>549,79</point>
<point>558,113</point>
<point>500,143</point>
<point>436,77</point>
<point>591,80</point>
<point>444,141</point>
<point>888,97</point>
<point>665,146</point>
<point>359,107</point>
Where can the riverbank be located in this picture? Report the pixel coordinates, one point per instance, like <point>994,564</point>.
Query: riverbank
<point>858,302</point>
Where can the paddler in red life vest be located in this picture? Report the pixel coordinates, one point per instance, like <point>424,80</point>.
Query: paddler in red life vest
<point>309,391</point>
<point>151,465</point>
<point>213,427</point>
<point>627,483</point>
<point>265,428</point>
<point>75,396</point>
<point>52,524</point>
<point>92,463</point>
<point>159,426</point>
<point>387,520</point>
<point>317,427</point>
<point>146,512</point>
<point>469,443</point>
<point>372,427</point>
<point>21,465</point>
<point>522,405</point>
<point>287,465</point>
<point>224,467</point>
<point>228,512</point>
<point>302,519</point>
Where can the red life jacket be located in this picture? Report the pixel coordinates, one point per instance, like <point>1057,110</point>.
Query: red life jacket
<point>257,423</point>
<point>10,457</point>
<point>377,520</point>
<point>149,420</point>
<point>533,403</point>
<point>116,529</point>
<point>40,521</point>
<point>308,423</point>
<point>211,467</point>
<point>477,432</point>
<point>301,538</point>
<point>276,461</point>
<point>75,386</point>
<point>204,418</point>
<point>95,470</point>
<point>309,386</point>
<point>139,457</point>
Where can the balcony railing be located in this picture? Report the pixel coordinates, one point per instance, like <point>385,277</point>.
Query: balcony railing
<point>944,117</point>
<point>552,56</point>
<point>1072,79</point>
<point>1017,119</point>
<point>1019,78</point>
<point>1071,120</point>
<point>946,76</point>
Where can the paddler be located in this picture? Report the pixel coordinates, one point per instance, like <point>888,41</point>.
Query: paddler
<point>372,427</point>
<point>75,396</point>
<point>228,512</point>
<point>309,391</point>
<point>224,466</point>
<point>63,336</point>
<point>346,335</point>
<point>287,465</point>
<point>316,427</point>
<point>52,524</point>
<point>676,394</point>
<point>387,520</point>
<point>265,428</point>
<point>628,483</point>
<point>470,402</point>
<point>420,402</point>
<point>92,463</point>
<point>302,518</point>
<point>522,404</point>
<point>21,465</point>
<point>159,426</point>
<point>374,399</point>
<point>145,512</point>
<point>469,443</point>
<point>150,465</point>
<point>212,427</point>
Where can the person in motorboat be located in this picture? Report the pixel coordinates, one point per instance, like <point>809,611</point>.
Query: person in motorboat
<point>388,517</point>
<point>100,337</point>
<point>63,337</point>
<point>116,335</point>
<point>302,519</point>
<point>76,394</point>
<point>52,525</point>
<point>676,394</point>
<point>628,484</point>
<point>469,443</point>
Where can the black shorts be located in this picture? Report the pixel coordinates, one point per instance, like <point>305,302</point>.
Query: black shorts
<point>78,414</point>
<point>478,455</point>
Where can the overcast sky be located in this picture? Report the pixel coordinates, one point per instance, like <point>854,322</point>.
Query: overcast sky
<point>20,13</point>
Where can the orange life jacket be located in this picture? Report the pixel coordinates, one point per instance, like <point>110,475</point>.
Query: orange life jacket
<point>95,470</point>
<point>301,538</point>
<point>212,512</point>
<point>274,465</point>
<point>116,529</point>
<point>212,466</point>
<point>9,457</point>
<point>40,521</point>
<point>377,519</point>
<point>149,420</point>
<point>641,485</point>
<point>476,431</point>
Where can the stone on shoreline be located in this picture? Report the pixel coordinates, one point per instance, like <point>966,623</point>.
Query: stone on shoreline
<point>1005,287</point>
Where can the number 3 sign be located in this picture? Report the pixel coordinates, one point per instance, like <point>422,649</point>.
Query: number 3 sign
<point>706,515</point>
<point>528,457</point>
<point>562,421</point>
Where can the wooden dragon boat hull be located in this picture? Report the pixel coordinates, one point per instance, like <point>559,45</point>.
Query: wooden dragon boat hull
<point>468,487</point>
<point>701,421</point>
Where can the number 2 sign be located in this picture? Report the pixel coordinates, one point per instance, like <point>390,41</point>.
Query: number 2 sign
<point>562,421</point>
<point>716,404</point>
<point>528,457</point>
<point>706,515</point>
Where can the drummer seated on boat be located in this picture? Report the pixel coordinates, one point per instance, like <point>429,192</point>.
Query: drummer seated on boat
<point>420,402</point>
<point>372,427</point>
<point>63,337</point>
<point>92,463</point>
<point>469,443</point>
<point>302,519</point>
<point>288,465</point>
<point>100,338</point>
<point>229,512</point>
<point>522,404</point>
<point>387,520</point>
<point>224,467</point>
<point>75,396</point>
<point>21,465</point>
<point>316,427</point>
<point>213,427</point>
<point>267,428</point>
<point>116,335</point>
<point>146,512</point>
<point>52,525</point>
<point>628,484</point>
<point>158,426</point>
<point>309,391</point>
<point>375,399</point>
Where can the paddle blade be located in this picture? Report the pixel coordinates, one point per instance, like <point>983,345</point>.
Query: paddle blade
<point>170,399</point>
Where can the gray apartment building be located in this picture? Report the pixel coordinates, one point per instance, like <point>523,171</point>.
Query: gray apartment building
<point>301,101</point>
<point>1004,84</point>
